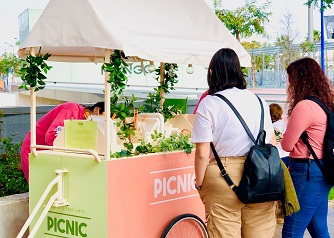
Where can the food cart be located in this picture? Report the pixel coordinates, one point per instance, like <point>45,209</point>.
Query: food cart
<point>82,192</point>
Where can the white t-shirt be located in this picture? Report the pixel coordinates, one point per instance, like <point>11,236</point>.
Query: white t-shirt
<point>216,122</point>
<point>281,126</point>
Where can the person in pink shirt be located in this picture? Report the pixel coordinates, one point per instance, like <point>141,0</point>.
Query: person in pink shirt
<point>200,99</point>
<point>49,125</point>
<point>305,79</point>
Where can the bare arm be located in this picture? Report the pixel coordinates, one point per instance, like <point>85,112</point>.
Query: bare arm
<point>273,139</point>
<point>201,161</point>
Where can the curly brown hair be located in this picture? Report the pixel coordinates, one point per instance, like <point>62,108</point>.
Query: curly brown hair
<point>276,112</point>
<point>225,71</point>
<point>305,79</point>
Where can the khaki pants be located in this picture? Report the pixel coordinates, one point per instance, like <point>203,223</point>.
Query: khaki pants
<point>226,215</point>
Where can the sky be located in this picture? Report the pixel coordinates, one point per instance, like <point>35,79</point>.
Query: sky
<point>279,8</point>
<point>11,9</point>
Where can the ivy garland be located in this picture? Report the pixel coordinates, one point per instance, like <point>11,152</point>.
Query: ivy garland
<point>118,81</point>
<point>152,103</point>
<point>33,71</point>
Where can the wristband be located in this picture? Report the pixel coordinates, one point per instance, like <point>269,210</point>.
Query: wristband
<point>198,187</point>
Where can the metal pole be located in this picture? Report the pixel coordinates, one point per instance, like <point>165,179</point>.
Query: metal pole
<point>107,88</point>
<point>262,68</point>
<point>310,28</point>
<point>33,112</point>
<point>322,35</point>
<point>162,79</point>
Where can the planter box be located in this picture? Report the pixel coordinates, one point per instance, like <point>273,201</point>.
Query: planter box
<point>14,212</point>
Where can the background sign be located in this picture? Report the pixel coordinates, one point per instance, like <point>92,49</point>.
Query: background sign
<point>329,25</point>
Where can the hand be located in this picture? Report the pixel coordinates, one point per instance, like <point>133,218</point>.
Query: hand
<point>198,187</point>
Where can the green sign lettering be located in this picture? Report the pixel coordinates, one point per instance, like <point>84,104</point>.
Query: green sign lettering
<point>65,226</point>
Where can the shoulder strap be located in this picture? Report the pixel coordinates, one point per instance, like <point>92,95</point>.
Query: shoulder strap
<point>240,117</point>
<point>223,172</point>
<point>321,104</point>
<point>304,137</point>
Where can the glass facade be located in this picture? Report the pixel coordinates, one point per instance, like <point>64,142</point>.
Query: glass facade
<point>27,20</point>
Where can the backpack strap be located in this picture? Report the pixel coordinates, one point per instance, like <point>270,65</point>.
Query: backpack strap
<point>223,172</point>
<point>321,104</point>
<point>240,117</point>
<point>304,135</point>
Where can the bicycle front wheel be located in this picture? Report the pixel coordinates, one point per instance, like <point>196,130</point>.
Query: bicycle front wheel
<point>185,226</point>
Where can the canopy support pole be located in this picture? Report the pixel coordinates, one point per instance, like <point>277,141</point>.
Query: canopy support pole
<point>162,79</point>
<point>32,113</point>
<point>107,89</point>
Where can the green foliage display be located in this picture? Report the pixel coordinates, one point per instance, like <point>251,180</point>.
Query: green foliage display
<point>12,180</point>
<point>152,103</point>
<point>33,71</point>
<point>117,72</point>
<point>124,108</point>
<point>175,142</point>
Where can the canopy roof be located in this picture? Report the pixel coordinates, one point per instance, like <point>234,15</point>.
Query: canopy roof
<point>173,31</point>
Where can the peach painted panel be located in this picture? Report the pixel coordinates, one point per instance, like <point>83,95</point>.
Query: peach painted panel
<point>145,193</point>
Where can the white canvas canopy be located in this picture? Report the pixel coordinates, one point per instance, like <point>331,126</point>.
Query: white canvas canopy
<point>173,31</point>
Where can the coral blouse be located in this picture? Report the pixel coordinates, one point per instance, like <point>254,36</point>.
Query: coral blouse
<point>309,116</point>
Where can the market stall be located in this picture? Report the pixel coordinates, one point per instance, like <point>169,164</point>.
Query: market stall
<point>82,192</point>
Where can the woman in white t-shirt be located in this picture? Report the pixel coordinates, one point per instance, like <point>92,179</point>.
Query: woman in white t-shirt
<point>215,122</point>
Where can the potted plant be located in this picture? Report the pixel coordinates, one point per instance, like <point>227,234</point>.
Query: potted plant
<point>125,109</point>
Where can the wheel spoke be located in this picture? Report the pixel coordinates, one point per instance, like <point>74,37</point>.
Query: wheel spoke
<point>186,226</point>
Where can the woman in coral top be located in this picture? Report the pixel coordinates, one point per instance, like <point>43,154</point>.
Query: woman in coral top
<point>49,125</point>
<point>305,79</point>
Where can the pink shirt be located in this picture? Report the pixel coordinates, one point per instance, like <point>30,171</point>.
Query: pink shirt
<point>306,115</point>
<point>200,99</point>
<point>47,128</point>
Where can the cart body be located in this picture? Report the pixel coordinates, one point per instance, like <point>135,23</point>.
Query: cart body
<point>131,197</point>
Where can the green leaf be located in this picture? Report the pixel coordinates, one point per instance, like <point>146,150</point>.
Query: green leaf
<point>41,82</point>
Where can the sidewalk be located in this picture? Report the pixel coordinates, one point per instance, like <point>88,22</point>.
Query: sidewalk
<point>271,95</point>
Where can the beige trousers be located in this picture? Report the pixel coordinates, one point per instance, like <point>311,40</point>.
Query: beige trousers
<point>226,215</point>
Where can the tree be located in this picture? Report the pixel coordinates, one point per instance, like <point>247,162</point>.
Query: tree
<point>308,46</point>
<point>5,65</point>
<point>316,36</point>
<point>286,40</point>
<point>326,3</point>
<point>9,63</point>
<point>259,62</point>
<point>245,21</point>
